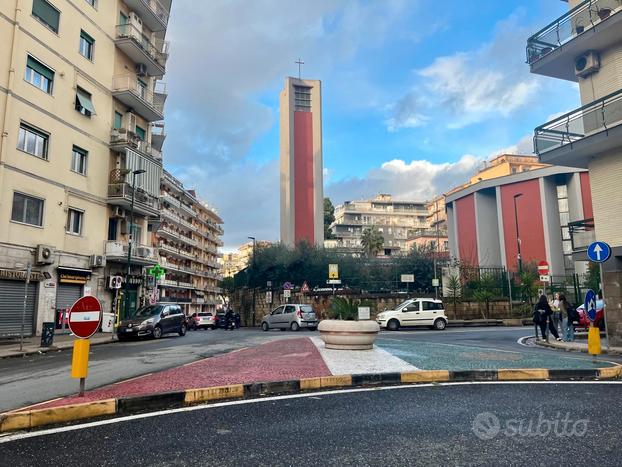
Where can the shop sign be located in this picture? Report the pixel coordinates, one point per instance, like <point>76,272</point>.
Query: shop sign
<point>72,278</point>
<point>12,275</point>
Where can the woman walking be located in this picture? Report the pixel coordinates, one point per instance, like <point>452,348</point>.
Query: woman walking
<point>567,318</point>
<point>542,316</point>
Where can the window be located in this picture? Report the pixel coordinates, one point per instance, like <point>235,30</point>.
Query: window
<point>302,98</point>
<point>112,228</point>
<point>33,141</point>
<point>93,3</point>
<point>118,120</point>
<point>289,309</point>
<point>39,75</point>
<point>87,43</point>
<point>78,160</point>
<point>84,104</point>
<point>74,221</point>
<point>46,13</point>
<point>141,133</point>
<point>27,209</point>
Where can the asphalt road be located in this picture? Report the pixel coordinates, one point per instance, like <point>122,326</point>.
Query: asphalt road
<point>37,378</point>
<point>472,424</point>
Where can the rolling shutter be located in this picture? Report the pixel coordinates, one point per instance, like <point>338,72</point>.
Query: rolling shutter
<point>67,294</point>
<point>12,307</point>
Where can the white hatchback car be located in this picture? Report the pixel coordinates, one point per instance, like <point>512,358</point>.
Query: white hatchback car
<point>414,312</point>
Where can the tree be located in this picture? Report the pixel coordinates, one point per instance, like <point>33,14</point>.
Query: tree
<point>372,241</point>
<point>455,289</point>
<point>484,291</point>
<point>329,218</point>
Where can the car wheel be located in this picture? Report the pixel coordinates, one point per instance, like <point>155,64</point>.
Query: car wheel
<point>157,332</point>
<point>183,329</point>
<point>440,324</point>
<point>211,327</point>
<point>393,325</point>
<point>295,326</point>
<point>313,328</point>
<point>264,326</point>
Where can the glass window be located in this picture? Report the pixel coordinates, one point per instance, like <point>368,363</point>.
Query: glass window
<point>278,311</point>
<point>78,160</point>
<point>429,306</point>
<point>118,120</point>
<point>39,75</point>
<point>74,221</point>
<point>84,104</point>
<point>46,13</point>
<point>290,309</point>
<point>27,209</point>
<point>93,3</point>
<point>562,191</point>
<point>141,133</point>
<point>33,141</point>
<point>87,43</point>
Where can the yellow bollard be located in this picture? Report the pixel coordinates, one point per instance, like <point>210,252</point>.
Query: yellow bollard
<point>80,358</point>
<point>593,340</point>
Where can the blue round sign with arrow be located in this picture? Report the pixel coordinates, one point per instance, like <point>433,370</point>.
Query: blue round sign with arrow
<point>590,305</point>
<point>598,252</point>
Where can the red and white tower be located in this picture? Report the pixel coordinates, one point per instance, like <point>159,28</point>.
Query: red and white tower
<point>302,191</point>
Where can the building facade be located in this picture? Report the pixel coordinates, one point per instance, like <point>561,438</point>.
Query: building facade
<point>78,95</point>
<point>302,190</point>
<point>394,219</point>
<point>585,46</point>
<point>490,221</point>
<point>506,164</point>
<point>187,238</point>
<point>239,260</point>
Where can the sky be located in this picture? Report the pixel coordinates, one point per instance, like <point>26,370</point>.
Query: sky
<point>416,95</point>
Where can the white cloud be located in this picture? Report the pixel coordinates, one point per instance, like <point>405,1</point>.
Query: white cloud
<point>524,146</point>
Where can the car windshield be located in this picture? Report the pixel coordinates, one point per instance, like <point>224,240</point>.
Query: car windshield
<point>306,309</point>
<point>146,311</point>
<point>403,304</point>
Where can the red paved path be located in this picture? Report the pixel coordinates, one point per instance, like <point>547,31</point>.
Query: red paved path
<point>276,361</point>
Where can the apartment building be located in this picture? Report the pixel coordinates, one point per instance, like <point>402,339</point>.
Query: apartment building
<point>79,94</point>
<point>187,237</point>
<point>585,46</point>
<point>506,164</point>
<point>394,219</point>
<point>239,260</point>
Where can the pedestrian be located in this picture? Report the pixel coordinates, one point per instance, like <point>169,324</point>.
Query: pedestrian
<point>556,318</point>
<point>568,317</point>
<point>542,316</point>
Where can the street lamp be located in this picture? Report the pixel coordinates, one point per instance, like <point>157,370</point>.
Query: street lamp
<point>253,275</point>
<point>126,289</point>
<point>520,261</point>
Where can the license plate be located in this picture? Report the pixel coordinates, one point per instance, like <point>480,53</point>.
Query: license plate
<point>128,330</point>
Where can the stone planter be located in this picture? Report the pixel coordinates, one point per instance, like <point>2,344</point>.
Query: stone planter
<point>348,335</point>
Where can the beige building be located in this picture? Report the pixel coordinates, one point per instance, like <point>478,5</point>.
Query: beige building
<point>239,260</point>
<point>394,219</point>
<point>585,46</point>
<point>506,164</point>
<point>79,92</point>
<point>188,237</point>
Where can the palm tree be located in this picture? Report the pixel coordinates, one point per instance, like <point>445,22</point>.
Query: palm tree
<point>372,241</point>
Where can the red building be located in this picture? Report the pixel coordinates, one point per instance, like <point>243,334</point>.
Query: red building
<point>489,220</point>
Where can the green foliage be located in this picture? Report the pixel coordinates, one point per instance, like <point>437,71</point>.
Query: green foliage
<point>592,280</point>
<point>529,285</point>
<point>372,241</point>
<point>484,291</point>
<point>455,289</point>
<point>329,218</point>
<point>227,284</point>
<point>343,308</point>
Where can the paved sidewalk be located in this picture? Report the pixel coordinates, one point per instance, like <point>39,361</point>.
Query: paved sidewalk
<point>579,346</point>
<point>32,345</point>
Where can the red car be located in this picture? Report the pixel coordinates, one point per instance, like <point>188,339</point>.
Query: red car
<point>599,322</point>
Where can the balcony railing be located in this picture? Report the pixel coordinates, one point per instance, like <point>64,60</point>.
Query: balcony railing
<point>158,10</point>
<point>140,94</point>
<point>124,191</point>
<point>156,49</point>
<point>570,25</point>
<point>582,233</point>
<point>118,250</point>
<point>599,115</point>
<point>123,137</point>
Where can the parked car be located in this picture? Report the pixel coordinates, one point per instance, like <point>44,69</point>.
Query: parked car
<point>221,322</point>
<point>203,320</point>
<point>414,312</point>
<point>155,321</point>
<point>294,317</point>
<point>599,322</point>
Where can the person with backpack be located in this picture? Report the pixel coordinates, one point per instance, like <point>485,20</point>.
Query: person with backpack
<point>569,316</point>
<point>542,317</point>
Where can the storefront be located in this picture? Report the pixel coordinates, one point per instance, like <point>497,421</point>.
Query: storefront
<point>71,287</point>
<point>12,288</point>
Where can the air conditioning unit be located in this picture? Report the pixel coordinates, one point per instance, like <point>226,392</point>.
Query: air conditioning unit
<point>45,254</point>
<point>143,252</point>
<point>98,261</point>
<point>586,64</point>
<point>136,21</point>
<point>124,227</point>
<point>118,211</point>
<point>130,118</point>
<point>141,69</point>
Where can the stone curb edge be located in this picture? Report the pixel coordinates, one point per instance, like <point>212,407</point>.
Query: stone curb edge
<point>27,420</point>
<point>553,345</point>
<point>54,348</point>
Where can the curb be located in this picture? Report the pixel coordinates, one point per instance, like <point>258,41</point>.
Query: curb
<point>553,345</point>
<point>54,348</point>
<point>27,420</point>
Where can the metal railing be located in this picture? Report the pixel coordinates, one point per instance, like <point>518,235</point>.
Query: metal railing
<point>155,48</point>
<point>121,136</point>
<point>124,190</point>
<point>568,26</point>
<point>599,115</point>
<point>158,10</point>
<point>154,99</point>
<point>118,249</point>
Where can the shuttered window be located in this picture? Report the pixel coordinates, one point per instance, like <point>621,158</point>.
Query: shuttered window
<point>39,75</point>
<point>87,43</point>
<point>46,13</point>
<point>84,104</point>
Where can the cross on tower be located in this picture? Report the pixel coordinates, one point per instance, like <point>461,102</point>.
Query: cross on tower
<point>300,63</point>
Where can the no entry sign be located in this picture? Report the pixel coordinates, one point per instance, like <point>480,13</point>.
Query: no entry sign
<point>543,268</point>
<point>85,316</point>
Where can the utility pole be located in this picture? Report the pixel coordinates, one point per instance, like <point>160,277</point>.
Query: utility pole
<point>21,334</point>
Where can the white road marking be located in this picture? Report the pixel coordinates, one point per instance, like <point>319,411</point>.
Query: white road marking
<point>51,431</point>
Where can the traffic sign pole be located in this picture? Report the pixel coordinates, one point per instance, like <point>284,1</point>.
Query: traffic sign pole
<point>599,252</point>
<point>84,319</point>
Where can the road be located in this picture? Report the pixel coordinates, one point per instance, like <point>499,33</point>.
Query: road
<point>474,424</point>
<point>38,378</point>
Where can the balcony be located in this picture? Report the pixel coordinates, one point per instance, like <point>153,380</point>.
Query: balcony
<point>120,194</point>
<point>582,233</point>
<point>157,135</point>
<point>176,251</point>
<point>152,53</point>
<point>575,138</point>
<point>591,25</point>
<point>176,284</point>
<point>137,96</point>
<point>121,139</point>
<point>116,252</point>
<point>170,233</point>
<point>153,13</point>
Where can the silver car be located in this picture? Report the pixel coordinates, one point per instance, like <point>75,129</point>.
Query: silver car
<point>291,316</point>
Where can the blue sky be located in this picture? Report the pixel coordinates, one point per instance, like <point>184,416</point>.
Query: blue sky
<point>416,94</point>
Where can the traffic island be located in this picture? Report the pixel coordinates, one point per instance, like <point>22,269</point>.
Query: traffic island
<point>348,335</point>
<point>576,347</point>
